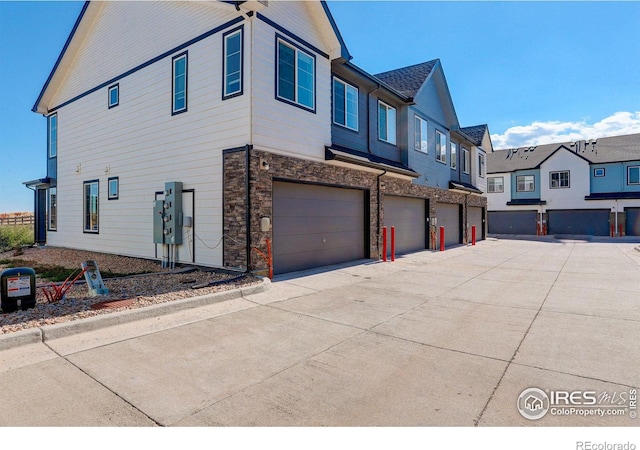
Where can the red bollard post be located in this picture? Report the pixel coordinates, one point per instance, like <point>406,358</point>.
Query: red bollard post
<point>384,244</point>
<point>473,235</point>
<point>619,230</point>
<point>393,243</point>
<point>613,230</point>
<point>441,239</point>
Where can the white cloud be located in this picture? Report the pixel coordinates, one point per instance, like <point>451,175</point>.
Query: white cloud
<point>537,133</point>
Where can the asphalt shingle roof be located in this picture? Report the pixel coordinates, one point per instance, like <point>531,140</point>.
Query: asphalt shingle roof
<point>596,151</point>
<point>475,133</point>
<point>407,80</point>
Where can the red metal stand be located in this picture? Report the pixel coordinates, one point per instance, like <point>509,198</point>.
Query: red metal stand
<point>384,244</point>
<point>393,243</point>
<point>473,235</point>
<point>441,239</point>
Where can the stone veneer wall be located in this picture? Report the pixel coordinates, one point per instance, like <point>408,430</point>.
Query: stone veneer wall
<point>285,168</point>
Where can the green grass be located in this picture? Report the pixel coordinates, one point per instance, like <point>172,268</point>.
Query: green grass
<point>13,236</point>
<point>54,273</point>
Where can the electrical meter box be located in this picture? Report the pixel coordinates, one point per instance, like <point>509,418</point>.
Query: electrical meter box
<point>17,289</point>
<point>94,279</point>
<point>167,215</point>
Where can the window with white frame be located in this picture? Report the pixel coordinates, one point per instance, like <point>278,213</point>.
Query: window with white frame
<point>91,191</point>
<point>113,186</point>
<point>466,160</point>
<point>53,209</point>
<point>525,183</point>
<point>295,75</point>
<point>386,123</point>
<point>232,62</point>
<point>345,104</point>
<point>179,75</point>
<point>52,140</point>
<point>495,184</point>
<point>481,166</point>
<point>454,155</point>
<point>441,147</point>
<point>559,179</point>
<point>598,172</point>
<point>421,143</point>
<point>633,175</point>
<point>113,94</point>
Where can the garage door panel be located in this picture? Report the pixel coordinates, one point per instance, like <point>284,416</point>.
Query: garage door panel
<point>512,222</point>
<point>309,225</point>
<point>407,215</point>
<point>316,226</point>
<point>632,221</point>
<point>592,222</point>
<point>475,218</point>
<point>448,215</point>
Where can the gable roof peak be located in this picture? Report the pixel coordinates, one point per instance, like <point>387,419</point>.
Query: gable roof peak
<point>408,80</point>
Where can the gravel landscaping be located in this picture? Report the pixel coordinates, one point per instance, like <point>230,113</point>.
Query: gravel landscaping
<point>150,285</point>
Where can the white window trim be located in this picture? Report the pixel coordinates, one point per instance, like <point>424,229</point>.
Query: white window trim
<point>115,87</point>
<point>595,172</point>
<point>226,94</point>
<point>419,121</point>
<point>494,191</point>
<point>346,103</point>
<point>466,157</point>
<point>453,160</point>
<point>174,61</point>
<point>441,150</point>
<point>551,186</point>
<point>482,165</point>
<point>53,149</point>
<point>117,182</point>
<point>525,184</point>
<point>84,207</point>
<point>391,137</point>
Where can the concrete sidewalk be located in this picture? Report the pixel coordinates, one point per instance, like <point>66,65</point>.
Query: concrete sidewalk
<point>449,338</point>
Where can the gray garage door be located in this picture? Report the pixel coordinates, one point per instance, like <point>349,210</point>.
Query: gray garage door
<point>512,222</point>
<point>407,215</point>
<point>448,215</point>
<point>476,216</point>
<point>633,221</point>
<point>593,222</point>
<point>316,226</point>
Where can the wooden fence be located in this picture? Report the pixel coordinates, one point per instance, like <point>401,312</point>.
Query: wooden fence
<point>17,220</point>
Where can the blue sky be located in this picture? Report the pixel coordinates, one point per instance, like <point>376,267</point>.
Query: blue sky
<point>535,72</point>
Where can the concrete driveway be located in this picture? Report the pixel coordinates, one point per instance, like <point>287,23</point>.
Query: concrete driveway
<point>432,339</point>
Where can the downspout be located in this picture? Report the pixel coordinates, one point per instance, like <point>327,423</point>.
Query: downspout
<point>379,224</point>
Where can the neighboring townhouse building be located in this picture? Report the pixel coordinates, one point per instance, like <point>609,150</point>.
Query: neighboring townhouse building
<point>210,133</point>
<point>583,187</point>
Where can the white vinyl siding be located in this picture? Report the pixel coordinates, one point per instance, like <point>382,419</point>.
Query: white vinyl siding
<point>179,85</point>
<point>441,147</point>
<point>295,75</point>
<point>233,63</point>
<point>345,104</point>
<point>386,123</point>
<point>421,141</point>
